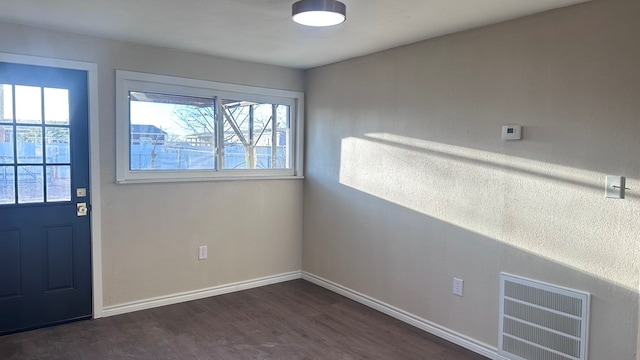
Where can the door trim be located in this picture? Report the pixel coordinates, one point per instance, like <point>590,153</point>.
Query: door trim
<point>94,159</point>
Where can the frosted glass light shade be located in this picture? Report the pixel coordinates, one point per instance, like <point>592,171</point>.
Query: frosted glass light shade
<point>319,12</point>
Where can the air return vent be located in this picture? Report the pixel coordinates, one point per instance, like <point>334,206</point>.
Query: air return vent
<point>540,321</point>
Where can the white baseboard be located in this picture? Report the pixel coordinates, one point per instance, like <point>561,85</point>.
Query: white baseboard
<point>197,294</point>
<point>437,330</point>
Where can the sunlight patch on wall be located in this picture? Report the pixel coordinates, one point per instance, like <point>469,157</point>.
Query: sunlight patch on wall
<point>555,211</point>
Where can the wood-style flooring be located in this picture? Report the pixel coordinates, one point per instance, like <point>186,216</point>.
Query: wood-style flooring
<point>291,320</point>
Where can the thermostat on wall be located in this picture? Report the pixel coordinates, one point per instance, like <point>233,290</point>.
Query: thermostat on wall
<point>511,132</point>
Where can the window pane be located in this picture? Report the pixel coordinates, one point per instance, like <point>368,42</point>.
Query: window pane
<point>283,138</point>
<point>7,185</point>
<point>171,132</point>
<point>6,103</point>
<point>58,183</point>
<point>56,106</point>
<point>29,144</point>
<point>250,140</point>
<point>237,148</point>
<point>57,145</point>
<point>28,104</point>
<point>6,144</point>
<point>178,129</point>
<point>30,184</point>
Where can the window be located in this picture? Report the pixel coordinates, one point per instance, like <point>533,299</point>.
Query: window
<point>177,129</point>
<point>35,160</point>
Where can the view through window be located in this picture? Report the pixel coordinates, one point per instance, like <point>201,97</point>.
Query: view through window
<point>173,132</point>
<point>177,131</point>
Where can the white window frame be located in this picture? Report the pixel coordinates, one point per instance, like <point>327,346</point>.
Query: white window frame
<point>127,81</point>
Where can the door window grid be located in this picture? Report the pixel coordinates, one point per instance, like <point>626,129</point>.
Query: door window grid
<point>35,160</point>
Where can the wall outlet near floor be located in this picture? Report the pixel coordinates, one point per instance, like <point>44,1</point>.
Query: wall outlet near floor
<point>202,252</point>
<point>458,285</point>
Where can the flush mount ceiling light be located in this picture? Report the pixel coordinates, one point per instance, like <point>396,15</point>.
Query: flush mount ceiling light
<point>319,12</point>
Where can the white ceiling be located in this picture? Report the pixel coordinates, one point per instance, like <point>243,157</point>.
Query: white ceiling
<point>262,30</point>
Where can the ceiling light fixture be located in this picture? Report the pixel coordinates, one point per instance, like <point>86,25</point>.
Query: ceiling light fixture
<point>319,12</point>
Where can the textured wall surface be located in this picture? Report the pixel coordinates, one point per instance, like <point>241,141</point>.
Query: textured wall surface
<point>409,183</point>
<point>151,232</point>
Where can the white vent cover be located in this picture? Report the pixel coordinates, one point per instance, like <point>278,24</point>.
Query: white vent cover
<point>540,321</point>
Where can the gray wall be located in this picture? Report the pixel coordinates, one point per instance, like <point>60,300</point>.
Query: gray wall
<point>408,183</point>
<point>151,232</point>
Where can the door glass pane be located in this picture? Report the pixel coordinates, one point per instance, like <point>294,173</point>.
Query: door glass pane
<point>58,183</point>
<point>28,104</point>
<point>29,141</point>
<point>6,144</point>
<point>6,103</point>
<point>7,185</point>
<point>57,145</point>
<point>56,106</point>
<point>30,184</point>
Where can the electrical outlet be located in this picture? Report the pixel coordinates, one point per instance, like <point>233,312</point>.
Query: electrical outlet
<point>458,285</point>
<point>202,252</point>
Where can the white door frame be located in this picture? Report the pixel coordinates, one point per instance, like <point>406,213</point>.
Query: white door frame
<point>94,159</point>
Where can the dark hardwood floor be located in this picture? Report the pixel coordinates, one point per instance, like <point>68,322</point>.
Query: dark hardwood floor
<point>292,320</point>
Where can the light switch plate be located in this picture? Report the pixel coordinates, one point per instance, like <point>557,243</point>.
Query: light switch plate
<point>202,252</point>
<point>458,285</point>
<point>614,187</point>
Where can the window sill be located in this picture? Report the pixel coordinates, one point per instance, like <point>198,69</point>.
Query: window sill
<point>209,179</point>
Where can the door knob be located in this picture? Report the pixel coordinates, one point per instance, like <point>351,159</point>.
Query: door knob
<point>82,209</point>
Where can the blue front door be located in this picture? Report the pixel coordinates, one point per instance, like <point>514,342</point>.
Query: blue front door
<point>45,244</point>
